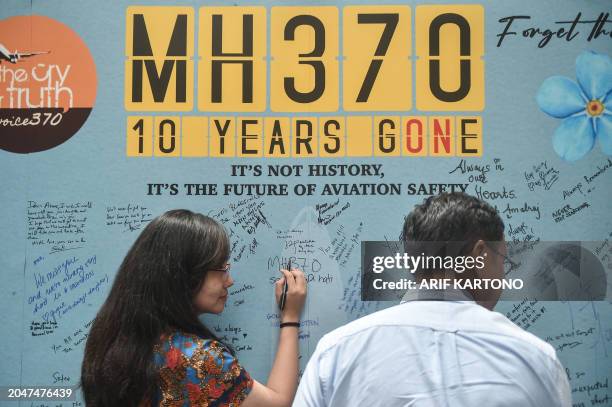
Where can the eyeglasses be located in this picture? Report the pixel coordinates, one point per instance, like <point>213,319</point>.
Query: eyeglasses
<point>513,265</point>
<point>225,270</point>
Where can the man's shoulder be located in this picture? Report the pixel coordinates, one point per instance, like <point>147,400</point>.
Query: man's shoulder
<point>392,316</point>
<point>466,317</point>
<point>509,328</point>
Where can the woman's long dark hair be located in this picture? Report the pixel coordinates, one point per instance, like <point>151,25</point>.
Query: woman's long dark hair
<point>152,293</point>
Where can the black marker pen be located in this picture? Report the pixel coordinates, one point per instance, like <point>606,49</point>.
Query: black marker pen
<point>283,297</point>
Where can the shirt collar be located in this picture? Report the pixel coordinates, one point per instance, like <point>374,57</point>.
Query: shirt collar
<point>449,294</point>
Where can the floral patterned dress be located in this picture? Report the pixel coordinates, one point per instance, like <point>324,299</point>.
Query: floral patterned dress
<point>198,372</point>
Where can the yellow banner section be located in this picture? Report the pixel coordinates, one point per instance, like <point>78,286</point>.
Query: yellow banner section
<point>302,67</point>
<point>159,69</point>
<point>377,71</point>
<point>234,49</point>
<point>305,137</point>
<point>450,47</point>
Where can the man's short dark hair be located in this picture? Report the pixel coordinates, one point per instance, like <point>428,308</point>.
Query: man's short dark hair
<point>452,217</point>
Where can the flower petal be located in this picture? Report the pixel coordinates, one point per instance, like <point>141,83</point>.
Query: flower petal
<point>574,138</point>
<point>604,133</point>
<point>594,74</point>
<point>560,97</point>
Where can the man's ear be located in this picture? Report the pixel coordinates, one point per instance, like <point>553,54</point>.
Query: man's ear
<point>479,248</point>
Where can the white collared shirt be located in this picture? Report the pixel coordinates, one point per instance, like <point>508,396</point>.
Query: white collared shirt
<point>433,353</point>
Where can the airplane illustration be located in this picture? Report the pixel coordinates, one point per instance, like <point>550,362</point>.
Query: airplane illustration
<point>14,57</point>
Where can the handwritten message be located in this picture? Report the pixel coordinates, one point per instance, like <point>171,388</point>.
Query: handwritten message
<point>128,218</point>
<point>60,226</point>
<point>65,287</point>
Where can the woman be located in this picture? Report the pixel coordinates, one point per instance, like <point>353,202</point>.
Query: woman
<point>147,346</point>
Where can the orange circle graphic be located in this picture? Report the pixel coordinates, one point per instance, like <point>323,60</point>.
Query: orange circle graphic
<point>47,83</point>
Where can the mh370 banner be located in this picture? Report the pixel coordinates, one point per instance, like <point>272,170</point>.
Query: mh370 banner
<point>290,81</point>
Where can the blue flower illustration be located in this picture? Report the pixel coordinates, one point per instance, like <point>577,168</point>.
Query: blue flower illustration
<point>582,106</point>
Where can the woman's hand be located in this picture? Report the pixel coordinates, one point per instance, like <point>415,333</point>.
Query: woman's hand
<point>283,379</point>
<point>296,294</point>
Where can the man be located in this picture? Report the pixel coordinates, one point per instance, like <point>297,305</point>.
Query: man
<point>444,348</point>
